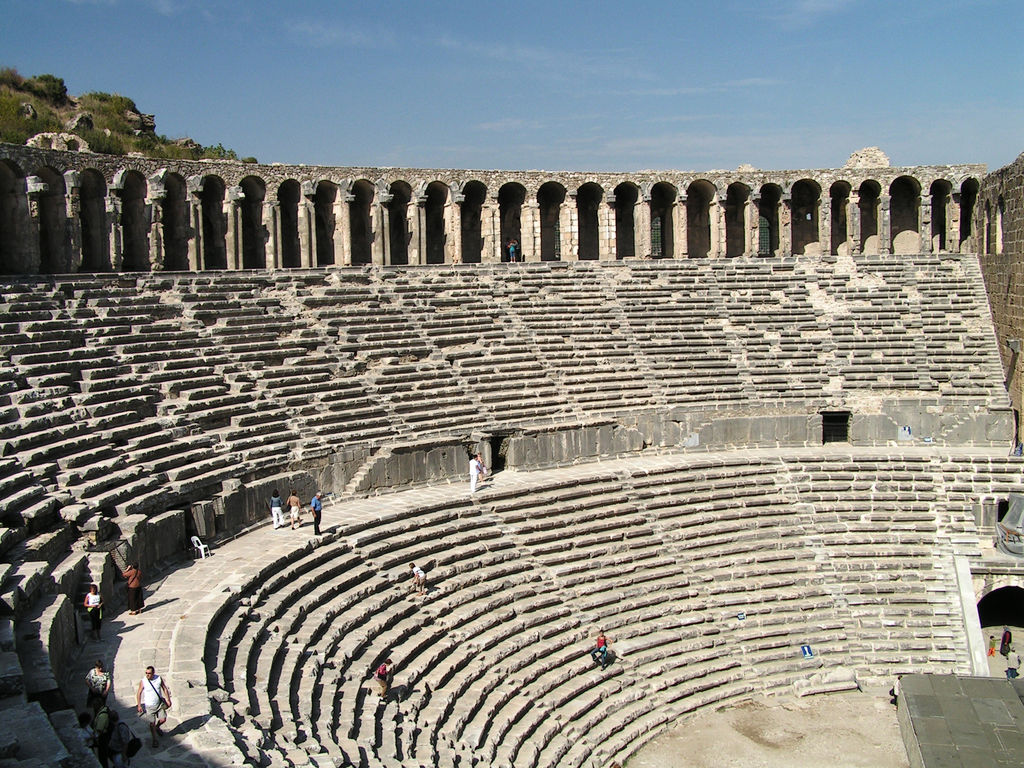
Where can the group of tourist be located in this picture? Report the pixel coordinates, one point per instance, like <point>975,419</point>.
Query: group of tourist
<point>1008,651</point>
<point>102,730</point>
<point>294,504</point>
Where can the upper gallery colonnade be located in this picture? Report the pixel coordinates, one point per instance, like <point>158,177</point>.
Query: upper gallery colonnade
<point>66,212</point>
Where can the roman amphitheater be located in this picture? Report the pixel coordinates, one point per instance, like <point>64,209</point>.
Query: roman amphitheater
<point>756,425</point>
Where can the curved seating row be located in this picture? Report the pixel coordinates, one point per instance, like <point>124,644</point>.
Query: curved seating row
<point>709,573</point>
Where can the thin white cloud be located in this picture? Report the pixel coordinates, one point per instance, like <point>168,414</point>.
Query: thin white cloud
<point>694,90</point>
<point>804,13</point>
<point>319,35</point>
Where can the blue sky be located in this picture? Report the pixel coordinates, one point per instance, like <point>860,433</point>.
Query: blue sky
<point>593,85</point>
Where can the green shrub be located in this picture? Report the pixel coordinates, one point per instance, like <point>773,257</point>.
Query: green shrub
<point>48,87</point>
<point>9,76</point>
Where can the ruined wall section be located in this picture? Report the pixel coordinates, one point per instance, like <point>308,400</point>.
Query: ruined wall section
<point>999,220</point>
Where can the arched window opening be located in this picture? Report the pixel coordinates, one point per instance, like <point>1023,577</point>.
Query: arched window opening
<point>323,215</point>
<point>805,200</point>
<point>550,197</point>
<point>13,220</point>
<point>398,222</point>
<point>288,196</point>
<point>92,197</point>
<point>904,214</point>
<point>768,220</point>
<point>840,195</point>
<point>1000,216</point>
<point>254,239</point>
<point>698,218</point>
<point>870,195</point>
<point>1002,607</point>
<point>175,223</point>
<point>474,194</point>
<point>212,201</point>
<point>510,208</point>
<point>626,196</point>
<point>359,222</point>
<point>736,197</point>
<point>663,211</point>
<point>968,200</point>
<point>940,193</point>
<point>437,199</point>
<point>53,250</point>
<point>588,203</point>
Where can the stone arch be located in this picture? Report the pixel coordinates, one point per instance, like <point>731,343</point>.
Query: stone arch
<point>550,197</point>
<point>289,194</point>
<point>839,224</point>
<point>940,192</point>
<point>626,196</point>
<point>437,197</point>
<point>870,196</point>
<point>211,200</point>
<point>474,195</point>
<point>134,222</point>
<point>92,215</point>
<point>175,223</point>
<point>360,222</point>
<point>904,214</point>
<point>588,204</point>
<point>52,206</point>
<point>511,198</point>
<point>1002,605</point>
<point>736,197</point>
<point>768,220</point>
<point>13,220</point>
<point>324,221</point>
<point>664,198</point>
<point>968,200</point>
<point>805,202</point>
<point>398,222</point>
<point>1000,217</point>
<point>254,237</point>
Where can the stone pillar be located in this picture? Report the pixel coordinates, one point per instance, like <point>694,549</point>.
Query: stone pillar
<point>490,230</point>
<point>924,223</point>
<point>113,223</point>
<point>717,212</point>
<point>642,225</point>
<point>607,234</point>
<point>453,236</point>
<point>786,225</point>
<point>377,234</point>
<point>569,231</point>
<point>884,225</point>
<point>530,240</point>
<point>307,228</point>
<point>417,230</point>
<point>272,224</point>
<point>953,222</point>
<point>825,224</point>
<point>384,215</point>
<point>155,205</point>
<point>195,243</point>
<point>233,231</point>
<point>343,230</point>
<point>752,220</point>
<point>853,221</point>
<point>73,217</point>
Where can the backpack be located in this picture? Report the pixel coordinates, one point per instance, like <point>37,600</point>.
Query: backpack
<point>101,721</point>
<point>132,743</point>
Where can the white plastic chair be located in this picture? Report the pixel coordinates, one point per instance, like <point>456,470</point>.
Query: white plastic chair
<point>202,549</point>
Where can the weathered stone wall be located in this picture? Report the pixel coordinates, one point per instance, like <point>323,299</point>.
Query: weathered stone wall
<point>999,215</point>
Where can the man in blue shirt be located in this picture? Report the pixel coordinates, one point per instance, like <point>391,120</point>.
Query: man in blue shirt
<point>317,507</point>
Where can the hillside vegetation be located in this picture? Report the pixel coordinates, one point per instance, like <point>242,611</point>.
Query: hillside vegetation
<point>107,122</point>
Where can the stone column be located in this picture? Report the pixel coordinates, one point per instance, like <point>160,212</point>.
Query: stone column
<point>307,229</point>
<point>607,238</point>
<point>953,222</point>
<point>680,248</point>
<point>853,221</point>
<point>272,224</point>
<point>752,220</point>
<point>453,238</point>
<point>718,230</point>
<point>377,235</point>
<point>786,225</point>
<point>155,204</point>
<point>384,216</point>
<point>530,240</point>
<point>490,230</point>
<point>825,224</point>
<point>195,243</point>
<point>113,223</point>
<point>924,223</point>
<point>569,232</point>
<point>233,231</point>
<point>73,217</point>
<point>417,230</point>
<point>642,225</point>
<point>343,230</point>
<point>884,225</point>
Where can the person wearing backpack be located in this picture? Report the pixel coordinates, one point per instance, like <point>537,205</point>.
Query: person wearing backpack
<point>123,744</point>
<point>1004,645</point>
<point>101,726</point>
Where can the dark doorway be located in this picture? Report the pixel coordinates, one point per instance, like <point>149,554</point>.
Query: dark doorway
<point>1004,606</point>
<point>835,427</point>
<point>499,451</point>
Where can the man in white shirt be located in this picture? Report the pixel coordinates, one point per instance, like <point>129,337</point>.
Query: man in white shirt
<point>152,699</point>
<point>477,470</point>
